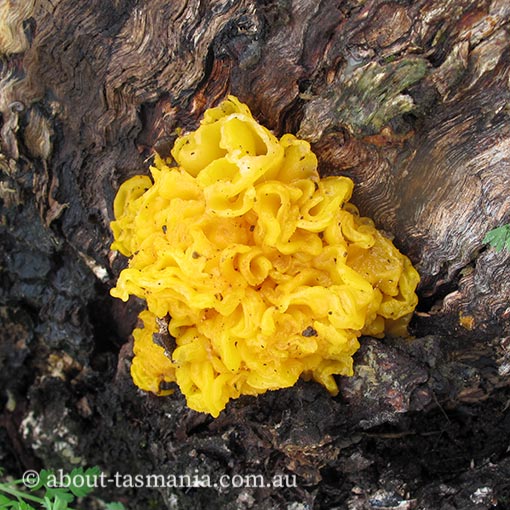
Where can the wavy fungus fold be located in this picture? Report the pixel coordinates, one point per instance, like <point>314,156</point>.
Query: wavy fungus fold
<point>267,272</point>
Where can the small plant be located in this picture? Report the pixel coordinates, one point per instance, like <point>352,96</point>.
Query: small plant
<point>498,238</point>
<point>45,490</point>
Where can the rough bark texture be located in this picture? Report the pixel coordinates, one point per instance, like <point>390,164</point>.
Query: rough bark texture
<point>410,99</point>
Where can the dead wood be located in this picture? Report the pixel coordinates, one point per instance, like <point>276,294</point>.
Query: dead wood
<point>410,99</point>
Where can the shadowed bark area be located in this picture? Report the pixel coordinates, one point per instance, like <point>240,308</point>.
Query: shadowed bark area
<point>409,99</point>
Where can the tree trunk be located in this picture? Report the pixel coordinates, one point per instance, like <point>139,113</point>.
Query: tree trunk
<point>409,99</point>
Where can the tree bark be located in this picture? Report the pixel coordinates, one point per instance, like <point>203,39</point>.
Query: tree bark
<point>409,99</point>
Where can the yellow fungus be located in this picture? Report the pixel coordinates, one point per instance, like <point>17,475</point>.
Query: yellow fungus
<point>267,271</point>
<point>467,321</point>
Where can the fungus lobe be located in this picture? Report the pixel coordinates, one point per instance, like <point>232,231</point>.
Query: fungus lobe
<point>267,271</point>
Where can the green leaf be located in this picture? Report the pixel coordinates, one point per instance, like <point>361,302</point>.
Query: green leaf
<point>93,471</point>
<point>498,238</point>
<point>59,493</point>
<point>77,484</point>
<point>23,505</point>
<point>47,504</point>
<point>4,500</point>
<point>43,479</point>
<point>59,504</point>
<point>115,506</point>
<point>83,483</point>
